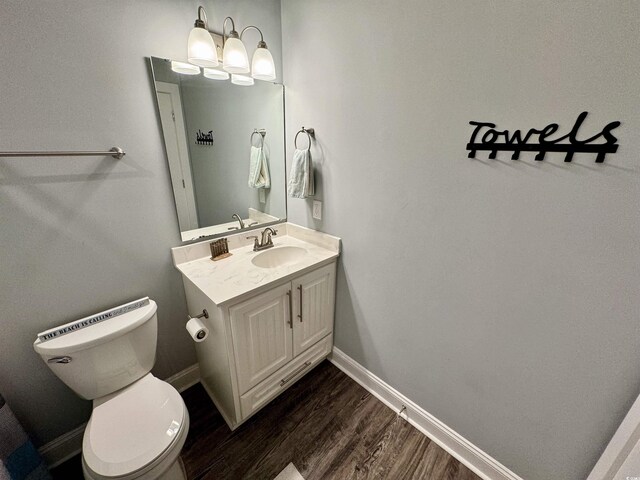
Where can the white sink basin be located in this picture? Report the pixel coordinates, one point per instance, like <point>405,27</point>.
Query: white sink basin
<point>278,256</point>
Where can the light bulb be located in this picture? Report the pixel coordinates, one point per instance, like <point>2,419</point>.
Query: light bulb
<point>241,80</point>
<point>184,68</point>
<point>262,66</point>
<point>201,50</point>
<point>214,74</point>
<point>234,56</point>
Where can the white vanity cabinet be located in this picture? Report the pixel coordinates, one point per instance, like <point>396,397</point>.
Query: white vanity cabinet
<point>271,329</point>
<point>261,344</point>
<point>269,314</point>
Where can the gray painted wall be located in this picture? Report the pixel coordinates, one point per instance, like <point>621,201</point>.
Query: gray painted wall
<point>80,235</point>
<point>501,296</point>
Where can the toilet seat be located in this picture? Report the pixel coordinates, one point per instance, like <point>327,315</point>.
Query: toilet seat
<point>134,430</point>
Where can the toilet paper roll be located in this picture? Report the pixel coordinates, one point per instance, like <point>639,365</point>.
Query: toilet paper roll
<point>197,330</point>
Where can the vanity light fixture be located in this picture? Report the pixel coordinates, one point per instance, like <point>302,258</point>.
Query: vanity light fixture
<point>184,68</point>
<point>243,80</point>
<point>201,50</point>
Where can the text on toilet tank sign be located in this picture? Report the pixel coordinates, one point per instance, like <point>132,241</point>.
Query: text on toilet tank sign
<point>486,137</point>
<point>93,319</point>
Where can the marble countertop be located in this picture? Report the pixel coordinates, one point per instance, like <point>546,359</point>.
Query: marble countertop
<point>231,278</point>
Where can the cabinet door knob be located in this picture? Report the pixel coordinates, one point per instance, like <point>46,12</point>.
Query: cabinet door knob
<point>300,314</point>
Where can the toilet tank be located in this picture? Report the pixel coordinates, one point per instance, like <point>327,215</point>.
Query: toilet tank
<point>100,354</point>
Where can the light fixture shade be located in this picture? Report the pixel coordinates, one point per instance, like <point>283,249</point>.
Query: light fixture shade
<point>262,66</point>
<point>184,68</point>
<point>214,74</point>
<point>201,50</point>
<point>242,80</point>
<point>234,56</point>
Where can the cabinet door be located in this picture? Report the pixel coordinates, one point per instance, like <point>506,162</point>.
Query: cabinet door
<point>261,333</point>
<point>313,307</point>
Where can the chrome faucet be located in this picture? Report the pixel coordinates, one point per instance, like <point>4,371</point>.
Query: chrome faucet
<point>237,217</point>
<point>265,241</point>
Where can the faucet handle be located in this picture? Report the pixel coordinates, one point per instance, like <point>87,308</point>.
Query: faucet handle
<point>267,241</point>
<point>256,244</point>
<point>275,232</point>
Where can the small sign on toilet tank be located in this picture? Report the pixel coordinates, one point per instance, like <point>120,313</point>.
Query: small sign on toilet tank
<point>92,320</point>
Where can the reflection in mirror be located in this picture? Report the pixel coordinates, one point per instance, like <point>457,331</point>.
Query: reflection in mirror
<point>225,150</point>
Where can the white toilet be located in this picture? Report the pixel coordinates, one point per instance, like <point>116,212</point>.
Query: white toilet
<point>139,423</point>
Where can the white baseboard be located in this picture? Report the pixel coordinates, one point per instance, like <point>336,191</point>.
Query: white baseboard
<point>620,457</point>
<point>61,449</point>
<point>467,453</point>
<point>68,445</point>
<point>186,378</point>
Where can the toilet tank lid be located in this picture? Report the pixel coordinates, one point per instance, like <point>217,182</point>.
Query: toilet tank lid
<point>95,329</point>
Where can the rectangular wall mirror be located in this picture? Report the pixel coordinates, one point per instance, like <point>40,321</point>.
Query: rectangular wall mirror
<point>225,149</point>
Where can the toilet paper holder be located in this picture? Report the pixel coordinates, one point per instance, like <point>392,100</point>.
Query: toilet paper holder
<point>196,328</point>
<point>204,314</point>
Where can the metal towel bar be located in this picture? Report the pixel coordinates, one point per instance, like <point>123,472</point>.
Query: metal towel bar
<point>114,152</point>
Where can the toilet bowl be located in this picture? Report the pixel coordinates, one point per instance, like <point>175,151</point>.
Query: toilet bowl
<point>139,423</point>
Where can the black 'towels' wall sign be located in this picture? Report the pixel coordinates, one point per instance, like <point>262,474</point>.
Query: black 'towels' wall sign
<point>491,141</point>
<point>204,138</point>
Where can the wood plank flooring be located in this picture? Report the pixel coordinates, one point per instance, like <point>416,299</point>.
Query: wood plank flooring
<point>326,424</point>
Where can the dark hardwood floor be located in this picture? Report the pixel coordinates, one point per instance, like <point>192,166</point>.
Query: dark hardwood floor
<point>326,424</point>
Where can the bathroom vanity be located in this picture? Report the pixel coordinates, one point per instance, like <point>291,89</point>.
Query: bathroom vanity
<point>270,314</point>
